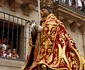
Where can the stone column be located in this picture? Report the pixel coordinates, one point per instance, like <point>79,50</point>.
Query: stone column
<point>26,40</point>
<point>21,50</point>
<point>82,30</point>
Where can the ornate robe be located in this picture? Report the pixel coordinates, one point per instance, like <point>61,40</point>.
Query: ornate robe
<point>57,49</point>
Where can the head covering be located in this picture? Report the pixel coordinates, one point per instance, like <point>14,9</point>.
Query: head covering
<point>47,4</point>
<point>50,10</point>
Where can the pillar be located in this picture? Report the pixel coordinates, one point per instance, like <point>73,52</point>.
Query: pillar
<point>82,30</point>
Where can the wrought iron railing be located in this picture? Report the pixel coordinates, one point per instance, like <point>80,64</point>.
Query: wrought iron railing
<point>65,4</point>
<point>75,5</point>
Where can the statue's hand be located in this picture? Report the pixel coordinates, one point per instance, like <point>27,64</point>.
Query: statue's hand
<point>33,25</point>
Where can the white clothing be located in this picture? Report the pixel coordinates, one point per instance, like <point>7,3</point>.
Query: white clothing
<point>38,27</point>
<point>5,46</point>
<point>32,26</point>
<point>8,55</point>
<point>70,2</point>
<point>15,57</point>
<point>78,3</point>
<point>4,55</point>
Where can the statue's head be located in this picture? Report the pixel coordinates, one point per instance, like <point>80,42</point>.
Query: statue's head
<point>45,11</point>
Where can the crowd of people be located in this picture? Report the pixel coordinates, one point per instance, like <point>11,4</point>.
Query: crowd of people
<point>79,4</point>
<point>7,51</point>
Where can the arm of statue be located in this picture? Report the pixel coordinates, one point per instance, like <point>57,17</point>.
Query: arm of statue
<point>35,29</point>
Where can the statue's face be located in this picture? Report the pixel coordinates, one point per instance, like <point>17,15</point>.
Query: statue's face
<point>44,12</point>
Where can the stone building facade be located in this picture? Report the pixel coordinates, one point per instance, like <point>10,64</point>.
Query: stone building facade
<point>21,12</point>
<point>15,16</point>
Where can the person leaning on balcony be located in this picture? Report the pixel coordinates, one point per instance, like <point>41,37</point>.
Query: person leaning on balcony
<point>4,52</point>
<point>5,43</point>
<point>8,53</point>
<point>14,54</point>
<point>73,3</point>
<point>78,4</point>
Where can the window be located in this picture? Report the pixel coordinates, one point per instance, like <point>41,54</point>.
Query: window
<point>12,37</point>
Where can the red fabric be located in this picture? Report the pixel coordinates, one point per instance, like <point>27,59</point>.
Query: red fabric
<point>57,49</point>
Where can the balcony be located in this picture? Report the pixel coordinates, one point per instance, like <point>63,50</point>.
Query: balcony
<point>63,11</point>
<point>72,18</point>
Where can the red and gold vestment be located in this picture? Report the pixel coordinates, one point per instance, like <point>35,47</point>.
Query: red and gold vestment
<point>57,49</point>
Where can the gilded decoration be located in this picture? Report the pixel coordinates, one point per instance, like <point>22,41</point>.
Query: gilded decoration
<point>57,49</point>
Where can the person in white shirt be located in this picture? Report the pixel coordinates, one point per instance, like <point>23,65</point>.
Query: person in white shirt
<point>3,52</point>
<point>5,43</point>
<point>73,3</point>
<point>8,54</point>
<point>78,4</point>
<point>14,54</point>
<point>4,46</point>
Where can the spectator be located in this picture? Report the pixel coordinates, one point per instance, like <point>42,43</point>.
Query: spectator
<point>3,52</point>
<point>74,3</point>
<point>5,47</point>
<point>5,43</point>
<point>8,54</point>
<point>78,4</point>
<point>14,54</point>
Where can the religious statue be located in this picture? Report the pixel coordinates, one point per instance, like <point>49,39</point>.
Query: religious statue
<point>57,49</point>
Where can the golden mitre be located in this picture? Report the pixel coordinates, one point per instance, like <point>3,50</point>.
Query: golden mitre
<point>46,3</point>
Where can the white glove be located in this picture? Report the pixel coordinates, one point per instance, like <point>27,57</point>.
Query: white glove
<point>40,28</point>
<point>32,26</point>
